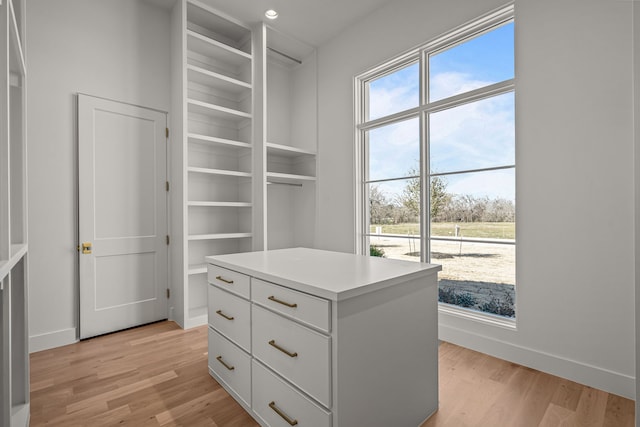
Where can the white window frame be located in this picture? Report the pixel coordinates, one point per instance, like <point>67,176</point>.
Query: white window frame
<point>362,126</point>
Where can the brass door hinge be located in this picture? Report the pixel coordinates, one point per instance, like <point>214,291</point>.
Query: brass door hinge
<point>168,239</point>
<point>168,293</point>
<point>167,185</point>
<point>167,129</point>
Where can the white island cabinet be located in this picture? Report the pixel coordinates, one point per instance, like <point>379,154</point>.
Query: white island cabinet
<point>307,337</point>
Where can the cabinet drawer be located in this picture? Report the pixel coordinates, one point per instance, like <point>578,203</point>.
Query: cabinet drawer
<point>231,365</point>
<point>231,316</point>
<point>299,354</point>
<point>275,401</point>
<point>305,308</point>
<point>232,281</point>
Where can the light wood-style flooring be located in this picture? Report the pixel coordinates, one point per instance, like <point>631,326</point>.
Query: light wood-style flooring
<point>156,375</point>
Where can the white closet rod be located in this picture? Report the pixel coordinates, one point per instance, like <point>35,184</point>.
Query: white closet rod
<point>285,55</point>
<point>284,183</point>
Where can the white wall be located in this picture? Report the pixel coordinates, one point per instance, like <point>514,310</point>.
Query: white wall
<point>116,49</point>
<point>575,171</point>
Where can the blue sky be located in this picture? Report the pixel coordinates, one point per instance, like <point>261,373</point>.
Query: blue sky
<point>483,60</point>
<point>476,135</point>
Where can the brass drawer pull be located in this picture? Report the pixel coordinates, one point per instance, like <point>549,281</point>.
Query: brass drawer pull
<point>224,315</point>
<point>222,279</point>
<point>226,365</point>
<point>273,344</point>
<point>288,304</point>
<point>284,416</point>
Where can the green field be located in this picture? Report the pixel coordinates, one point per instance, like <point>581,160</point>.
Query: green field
<point>488,230</point>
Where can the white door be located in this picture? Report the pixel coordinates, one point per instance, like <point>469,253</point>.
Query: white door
<point>122,215</point>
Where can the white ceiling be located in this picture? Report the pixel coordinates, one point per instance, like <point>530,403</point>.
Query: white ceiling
<point>311,21</point>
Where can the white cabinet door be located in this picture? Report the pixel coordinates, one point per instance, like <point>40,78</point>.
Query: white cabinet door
<point>122,215</point>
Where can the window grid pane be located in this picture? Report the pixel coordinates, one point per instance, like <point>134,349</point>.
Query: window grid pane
<point>474,135</point>
<point>478,276</point>
<point>394,150</point>
<point>394,92</point>
<point>475,63</point>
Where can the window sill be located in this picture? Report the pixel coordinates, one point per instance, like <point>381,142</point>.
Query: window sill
<point>487,319</point>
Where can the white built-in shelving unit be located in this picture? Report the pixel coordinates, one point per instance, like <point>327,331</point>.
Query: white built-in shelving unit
<point>243,146</point>
<point>14,355</point>
<point>212,149</point>
<point>290,140</point>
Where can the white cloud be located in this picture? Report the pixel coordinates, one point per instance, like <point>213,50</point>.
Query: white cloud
<point>394,149</point>
<point>447,84</point>
<point>476,135</point>
<point>386,101</point>
<point>395,92</point>
<point>500,183</point>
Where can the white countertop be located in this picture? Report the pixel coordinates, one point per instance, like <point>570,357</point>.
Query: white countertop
<point>332,275</point>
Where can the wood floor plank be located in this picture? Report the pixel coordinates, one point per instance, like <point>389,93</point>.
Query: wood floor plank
<point>536,400</point>
<point>619,412</point>
<point>591,407</point>
<point>170,416</point>
<point>567,394</point>
<point>557,416</point>
<point>121,391</point>
<point>157,375</point>
<point>502,412</point>
<point>111,417</point>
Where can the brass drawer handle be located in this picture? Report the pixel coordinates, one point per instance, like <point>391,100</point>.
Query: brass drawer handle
<point>226,365</point>
<point>273,344</point>
<point>284,416</point>
<point>288,304</point>
<point>222,279</point>
<point>224,315</point>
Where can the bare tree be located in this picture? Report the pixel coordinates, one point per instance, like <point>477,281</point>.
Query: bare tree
<point>445,207</point>
<point>381,210</point>
<point>410,197</point>
<point>439,196</point>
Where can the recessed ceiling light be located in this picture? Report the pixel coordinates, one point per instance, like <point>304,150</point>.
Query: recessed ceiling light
<point>271,14</point>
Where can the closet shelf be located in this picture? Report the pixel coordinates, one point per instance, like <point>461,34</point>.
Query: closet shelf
<point>287,150</point>
<point>197,316</point>
<point>216,111</point>
<point>207,18</point>
<point>288,178</point>
<point>212,48</point>
<point>217,81</point>
<point>194,137</point>
<point>219,236</point>
<point>220,204</point>
<point>197,269</point>
<point>16,59</point>
<point>17,253</point>
<point>219,172</point>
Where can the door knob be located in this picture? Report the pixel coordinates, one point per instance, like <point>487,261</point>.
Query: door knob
<point>86,248</point>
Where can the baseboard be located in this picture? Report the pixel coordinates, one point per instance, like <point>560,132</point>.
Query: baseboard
<point>52,339</point>
<point>20,416</point>
<point>592,376</point>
